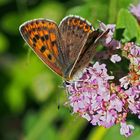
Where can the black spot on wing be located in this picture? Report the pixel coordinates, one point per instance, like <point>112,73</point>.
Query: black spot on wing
<point>46,37</point>
<point>42,38</point>
<point>34,40</point>
<point>53,42</point>
<point>37,37</point>
<point>49,56</point>
<point>43,48</point>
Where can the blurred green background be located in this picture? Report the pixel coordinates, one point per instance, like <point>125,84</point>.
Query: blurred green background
<point>30,93</point>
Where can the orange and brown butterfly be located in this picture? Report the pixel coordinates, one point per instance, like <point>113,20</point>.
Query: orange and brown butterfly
<point>66,48</point>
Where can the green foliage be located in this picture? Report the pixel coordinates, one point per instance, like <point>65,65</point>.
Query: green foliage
<point>30,91</point>
<point>4,44</point>
<point>129,23</point>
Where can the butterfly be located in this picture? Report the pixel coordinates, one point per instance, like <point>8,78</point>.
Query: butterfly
<point>66,48</point>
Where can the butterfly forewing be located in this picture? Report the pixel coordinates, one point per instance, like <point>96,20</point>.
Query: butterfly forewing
<point>74,31</point>
<point>44,38</point>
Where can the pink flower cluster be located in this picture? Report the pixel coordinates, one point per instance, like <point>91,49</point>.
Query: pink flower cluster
<point>96,97</point>
<point>102,103</point>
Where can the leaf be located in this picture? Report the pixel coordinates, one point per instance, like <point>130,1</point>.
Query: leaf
<point>14,98</point>
<point>91,12</point>
<point>113,10</point>
<point>115,131</point>
<point>98,133</point>
<point>119,33</point>
<point>43,124</point>
<point>115,6</point>
<point>4,43</point>
<point>52,10</point>
<point>129,23</point>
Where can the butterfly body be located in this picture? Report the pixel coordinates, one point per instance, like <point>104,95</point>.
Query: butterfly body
<point>66,48</point>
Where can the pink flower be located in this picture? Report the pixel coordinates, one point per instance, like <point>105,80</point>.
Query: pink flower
<point>108,40</point>
<point>115,58</point>
<point>126,129</point>
<point>115,44</point>
<point>92,99</point>
<point>115,103</point>
<point>134,99</point>
<point>125,82</point>
<point>134,50</point>
<point>104,27</point>
<point>135,10</point>
<point>95,96</point>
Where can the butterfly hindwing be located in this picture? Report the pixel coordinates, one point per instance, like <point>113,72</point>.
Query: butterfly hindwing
<point>44,38</point>
<point>74,31</point>
<point>89,50</point>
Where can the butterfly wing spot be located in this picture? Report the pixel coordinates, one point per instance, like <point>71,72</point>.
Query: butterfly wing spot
<point>86,28</point>
<point>30,41</point>
<point>53,37</point>
<point>34,40</point>
<point>46,36</point>
<point>40,24</point>
<point>51,25</point>
<point>79,24</point>
<point>53,42</point>
<point>75,22</point>
<point>37,36</point>
<point>55,50</point>
<point>49,57</point>
<point>34,45</point>
<point>43,48</point>
<point>42,38</point>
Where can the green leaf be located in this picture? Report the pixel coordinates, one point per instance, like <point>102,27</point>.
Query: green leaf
<point>51,10</point>
<point>124,3</point>
<point>4,2</point>
<point>4,44</point>
<point>119,33</point>
<point>129,23</point>
<point>115,131</point>
<point>43,124</point>
<point>14,98</point>
<point>83,11</point>
<point>91,12</point>
<point>10,23</point>
<point>113,10</point>
<point>98,133</point>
